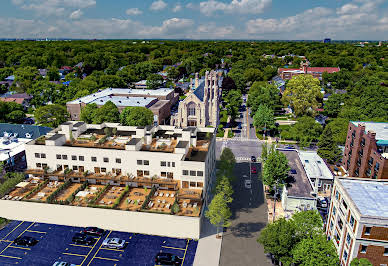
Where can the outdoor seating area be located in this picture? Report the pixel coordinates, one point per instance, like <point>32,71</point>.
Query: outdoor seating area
<point>84,197</point>
<point>43,193</point>
<point>66,193</point>
<point>100,141</point>
<point>189,208</point>
<point>109,197</point>
<point>22,189</point>
<point>161,145</point>
<point>134,199</point>
<point>162,201</point>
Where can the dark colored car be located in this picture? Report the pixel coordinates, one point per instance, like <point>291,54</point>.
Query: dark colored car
<point>293,171</point>
<point>239,126</point>
<point>26,241</point>
<point>83,239</point>
<point>253,159</point>
<point>94,231</point>
<point>163,258</point>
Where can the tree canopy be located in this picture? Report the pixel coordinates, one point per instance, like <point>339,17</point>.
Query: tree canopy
<point>136,116</point>
<point>51,115</point>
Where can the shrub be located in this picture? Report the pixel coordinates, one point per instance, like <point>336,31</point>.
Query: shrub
<point>72,196</point>
<point>119,199</point>
<point>36,189</point>
<point>10,183</point>
<point>99,194</point>
<point>51,198</point>
<point>144,206</point>
<point>175,208</point>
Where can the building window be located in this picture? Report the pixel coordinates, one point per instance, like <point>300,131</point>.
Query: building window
<point>351,221</point>
<point>199,184</point>
<point>348,238</point>
<point>337,195</point>
<point>331,225</point>
<point>367,231</point>
<point>103,170</point>
<point>64,157</point>
<point>344,204</point>
<point>75,167</point>
<point>385,251</point>
<point>44,165</point>
<point>43,155</point>
<point>363,249</point>
<point>173,164</point>
<point>340,223</point>
<point>185,184</point>
<point>118,160</point>
<point>334,210</point>
<point>146,162</point>
<point>162,163</point>
<point>185,172</point>
<point>163,174</point>
<point>168,164</point>
<point>37,155</point>
<point>81,158</point>
<point>345,256</point>
<point>146,173</point>
<point>193,184</point>
<point>191,110</point>
<point>139,162</point>
<point>106,160</point>
<point>363,142</point>
<point>199,173</point>
<point>38,165</point>
<point>74,158</point>
<point>59,157</point>
<point>94,159</point>
<point>193,173</point>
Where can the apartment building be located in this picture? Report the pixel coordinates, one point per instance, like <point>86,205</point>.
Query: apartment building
<point>366,150</point>
<point>358,220</point>
<point>158,101</point>
<point>316,72</point>
<point>160,156</point>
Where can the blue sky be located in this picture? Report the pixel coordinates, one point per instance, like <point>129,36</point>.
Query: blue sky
<point>195,19</point>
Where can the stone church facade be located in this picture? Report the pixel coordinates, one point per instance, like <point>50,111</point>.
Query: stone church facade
<point>201,107</point>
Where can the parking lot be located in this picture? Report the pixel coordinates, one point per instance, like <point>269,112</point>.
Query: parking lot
<point>55,244</point>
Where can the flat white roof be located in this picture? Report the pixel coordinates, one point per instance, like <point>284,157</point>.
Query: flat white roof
<point>314,165</point>
<point>370,197</point>
<point>12,148</point>
<point>380,128</point>
<point>117,91</point>
<point>124,101</point>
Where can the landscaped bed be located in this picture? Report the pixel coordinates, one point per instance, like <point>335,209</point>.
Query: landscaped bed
<point>134,199</point>
<point>66,193</point>
<point>45,191</point>
<point>162,201</point>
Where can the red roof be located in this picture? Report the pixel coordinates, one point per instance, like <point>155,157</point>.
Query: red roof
<point>16,100</point>
<point>313,69</point>
<point>66,68</point>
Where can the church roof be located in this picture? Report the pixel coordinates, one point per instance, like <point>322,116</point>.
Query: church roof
<point>200,91</point>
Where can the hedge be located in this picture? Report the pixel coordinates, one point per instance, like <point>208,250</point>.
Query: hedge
<point>51,198</point>
<point>9,184</point>
<point>72,196</point>
<point>147,199</point>
<point>118,200</point>
<point>36,189</point>
<point>102,191</point>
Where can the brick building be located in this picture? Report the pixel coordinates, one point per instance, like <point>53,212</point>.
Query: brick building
<point>316,72</point>
<point>358,220</point>
<point>366,150</point>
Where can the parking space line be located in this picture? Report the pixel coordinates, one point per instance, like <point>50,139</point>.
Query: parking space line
<point>19,247</point>
<point>5,240</point>
<point>80,246</point>
<point>72,254</point>
<point>17,237</point>
<point>11,257</point>
<point>97,250</point>
<point>184,256</point>
<point>119,250</point>
<point>173,248</point>
<point>13,230</point>
<point>105,259</point>
<point>36,232</point>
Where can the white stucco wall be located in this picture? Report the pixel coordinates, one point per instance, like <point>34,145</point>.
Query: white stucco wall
<point>127,221</point>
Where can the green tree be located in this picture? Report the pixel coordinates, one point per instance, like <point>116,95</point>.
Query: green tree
<point>107,113</point>
<point>261,93</point>
<point>307,224</point>
<point>227,162</point>
<point>315,251</point>
<point>112,81</point>
<point>53,74</point>
<point>360,262</point>
<point>24,76</point>
<point>302,94</point>
<point>223,186</point>
<point>275,169</point>
<point>127,74</point>
<point>136,116</point>
<point>253,74</point>
<point>16,116</point>
<point>233,102</point>
<point>88,113</point>
<point>328,148</point>
<point>339,128</point>
<point>264,118</point>
<point>51,115</point>
<point>333,105</point>
<point>277,239</point>
<point>264,152</point>
<point>219,212</point>
<point>304,131</point>
<point>154,81</point>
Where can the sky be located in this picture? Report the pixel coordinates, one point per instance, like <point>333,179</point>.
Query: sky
<point>195,19</point>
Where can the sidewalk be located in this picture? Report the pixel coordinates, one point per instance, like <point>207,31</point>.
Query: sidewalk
<point>209,247</point>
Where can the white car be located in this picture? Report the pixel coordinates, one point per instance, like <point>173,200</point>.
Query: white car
<point>114,243</point>
<point>63,263</point>
<point>248,183</point>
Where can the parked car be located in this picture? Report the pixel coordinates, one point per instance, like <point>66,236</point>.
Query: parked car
<point>83,239</point>
<point>290,147</point>
<point>26,241</point>
<point>239,126</point>
<point>164,258</point>
<point>248,183</point>
<point>114,243</point>
<point>94,231</point>
<point>293,171</point>
<point>253,170</point>
<point>322,202</point>
<point>253,159</point>
<point>62,263</point>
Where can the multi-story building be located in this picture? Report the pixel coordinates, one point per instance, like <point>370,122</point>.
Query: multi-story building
<point>316,72</point>
<point>160,156</point>
<point>201,107</point>
<point>366,150</point>
<point>358,220</point>
<point>158,101</point>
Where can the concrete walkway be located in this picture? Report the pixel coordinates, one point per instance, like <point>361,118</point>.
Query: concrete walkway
<point>209,247</point>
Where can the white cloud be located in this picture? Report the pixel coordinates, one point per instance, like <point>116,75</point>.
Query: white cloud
<point>177,8</point>
<point>348,8</point>
<point>235,6</point>
<point>174,27</point>
<point>52,7</point>
<point>158,5</point>
<point>133,11</point>
<point>76,14</point>
<point>213,31</point>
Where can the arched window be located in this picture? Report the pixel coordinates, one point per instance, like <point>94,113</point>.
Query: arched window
<point>191,109</point>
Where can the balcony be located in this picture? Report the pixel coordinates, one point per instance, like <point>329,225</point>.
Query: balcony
<point>161,145</point>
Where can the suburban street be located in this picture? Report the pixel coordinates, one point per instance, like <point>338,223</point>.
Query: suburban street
<point>249,212</point>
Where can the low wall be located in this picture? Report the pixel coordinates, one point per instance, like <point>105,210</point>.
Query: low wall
<point>127,221</point>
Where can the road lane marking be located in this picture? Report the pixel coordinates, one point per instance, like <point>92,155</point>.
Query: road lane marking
<point>19,247</point>
<point>120,250</point>
<point>173,248</point>
<point>36,232</point>
<point>72,254</point>
<point>80,246</point>
<point>17,237</point>
<point>97,249</point>
<point>11,257</point>
<point>105,259</point>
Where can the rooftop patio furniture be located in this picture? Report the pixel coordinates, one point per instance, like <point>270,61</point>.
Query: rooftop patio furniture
<point>161,194</point>
<point>189,206</point>
<point>156,194</point>
<point>184,204</point>
<point>164,201</point>
<point>168,206</point>
<point>167,194</point>
<point>172,195</point>
<point>195,205</point>
<point>102,202</point>
<point>109,202</point>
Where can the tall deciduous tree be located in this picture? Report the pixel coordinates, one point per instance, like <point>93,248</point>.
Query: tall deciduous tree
<point>51,115</point>
<point>315,251</point>
<point>88,113</point>
<point>307,224</point>
<point>302,93</point>
<point>264,118</point>
<point>136,116</point>
<point>333,105</point>
<point>223,186</point>
<point>328,149</point>
<point>275,170</point>
<point>261,93</point>
<point>107,113</point>
<point>219,212</point>
<point>233,102</point>
<point>154,81</point>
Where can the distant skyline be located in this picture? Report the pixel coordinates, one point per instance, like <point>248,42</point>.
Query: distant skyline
<point>190,19</point>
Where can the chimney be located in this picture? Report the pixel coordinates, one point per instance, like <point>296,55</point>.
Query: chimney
<point>361,126</point>
<point>371,134</point>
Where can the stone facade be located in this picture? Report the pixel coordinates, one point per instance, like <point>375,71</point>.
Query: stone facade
<point>201,107</point>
